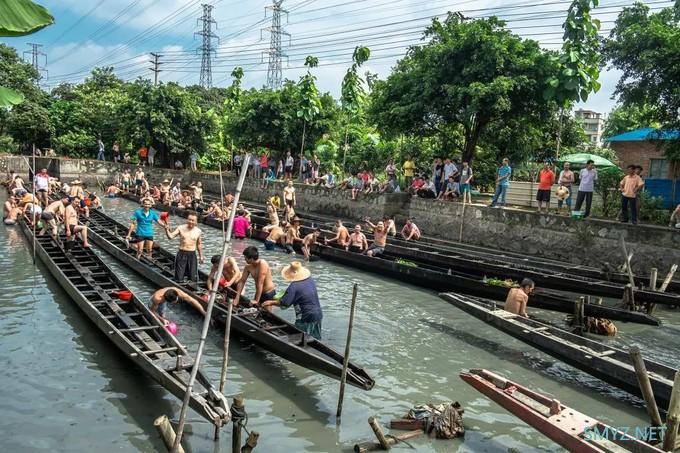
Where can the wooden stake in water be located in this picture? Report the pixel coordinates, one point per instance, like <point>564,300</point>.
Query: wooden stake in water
<point>206,320</point>
<point>218,274</point>
<point>345,363</point>
<point>166,432</point>
<point>462,219</point>
<point>645,385</point>
<point>653,276</point>
<point>377,430</point>
<point>673,417</point>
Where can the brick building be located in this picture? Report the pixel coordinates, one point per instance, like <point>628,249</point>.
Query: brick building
<point>643,147</point>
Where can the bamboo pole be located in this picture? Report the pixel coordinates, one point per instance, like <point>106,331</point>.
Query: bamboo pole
<point>238,407</point>
<point>34,221</point>
<point>673,417</point>
<point>462,219</point>
<point>345,364</point>
<point>208,314</point>
<point>627,259</point>
<point>669,277</point>
<point>653,276</point>
<point>364,447</point>
<point>216,278</point>
<point>645,386</point>
<point>377,430</point>
<point>164,428</point>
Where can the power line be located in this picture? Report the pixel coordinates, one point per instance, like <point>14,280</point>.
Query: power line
<point>155,68</point>
<point>35,54</point>
<point>206,48</point>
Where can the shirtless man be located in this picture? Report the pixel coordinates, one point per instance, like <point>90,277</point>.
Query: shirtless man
<point>357,241</point>
<point>231,274</point>
<point>273,217</point>
<point>289,195</point>
<point>390,226</point>
<point>292,235</point>
<point>276,236</point>
<point>11,211</point>
<point>262,274</point>
<point>377,248</point>
<point>125,179</point>
<point>517,299</point>
<point>189,234</point>
<point>53,215</point>
<point>112,191</point>
<point>17,186</point>
<point>76,190</point>
<point>164,196</point>
<point>198,191</point>
<point>164,296</point>
<point>71,222</point>
<point>139,180</point>
<point>308,241</point>
<point>341,235</point>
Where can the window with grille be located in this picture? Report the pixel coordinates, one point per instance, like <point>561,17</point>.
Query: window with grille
<point>658,168</point>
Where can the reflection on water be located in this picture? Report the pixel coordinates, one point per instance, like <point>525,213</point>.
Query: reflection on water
<point>66,388</point>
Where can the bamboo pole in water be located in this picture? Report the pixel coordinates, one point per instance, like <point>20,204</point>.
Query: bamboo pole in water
<point>645,386</point>
<point>345,364</point>
<point>208,314</point>
<point>164,428</point>
<point>218,272</point>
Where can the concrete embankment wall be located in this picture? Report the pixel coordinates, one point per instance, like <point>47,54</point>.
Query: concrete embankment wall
<point>591,242</point>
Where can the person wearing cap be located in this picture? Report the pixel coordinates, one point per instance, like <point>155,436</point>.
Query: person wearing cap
<point>308,241</point>
<point>171,295</point>
<point>262,275</point>
<point>42,185</point>
<point>301,294</point>
<point>142,224</point>
<point>231,274</point>
<point>76,189</point>
<point>164,196</point>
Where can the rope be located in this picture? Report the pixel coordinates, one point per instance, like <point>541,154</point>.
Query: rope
<point>238,415</point>
<point>398,441</point>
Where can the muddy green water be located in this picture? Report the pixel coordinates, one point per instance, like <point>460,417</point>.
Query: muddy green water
<point>65,388</point>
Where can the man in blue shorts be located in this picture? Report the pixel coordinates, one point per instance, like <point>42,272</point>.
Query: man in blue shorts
<point>142,224</point>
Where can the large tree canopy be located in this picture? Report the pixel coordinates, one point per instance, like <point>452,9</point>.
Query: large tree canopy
<point>645,47</point>
<point>470,74</point>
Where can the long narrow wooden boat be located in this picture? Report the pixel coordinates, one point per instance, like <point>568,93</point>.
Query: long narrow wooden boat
<point>565,426</point>
<point>605,362</point>
<point>439,279</point>
<point>454,248</point>
<point>128,324</point>
<point>265,329</point>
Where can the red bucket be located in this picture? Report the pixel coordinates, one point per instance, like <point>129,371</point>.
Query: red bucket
<point>122,295</point>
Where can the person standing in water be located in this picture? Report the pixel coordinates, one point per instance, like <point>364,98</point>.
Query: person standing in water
<point>262,275</point>
<point>187,258</point>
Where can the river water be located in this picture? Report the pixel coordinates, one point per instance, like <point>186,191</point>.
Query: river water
<point>64,388</point>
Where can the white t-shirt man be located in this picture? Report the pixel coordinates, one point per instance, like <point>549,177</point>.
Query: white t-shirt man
<point>42,181</point>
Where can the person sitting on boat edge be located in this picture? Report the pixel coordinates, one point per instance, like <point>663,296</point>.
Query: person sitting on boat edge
<point>262,274</point>
<point>517,299</point>
<point>231,274</point>
<point>377,248</point>
<point>170,295</point>
<point>303,295</point>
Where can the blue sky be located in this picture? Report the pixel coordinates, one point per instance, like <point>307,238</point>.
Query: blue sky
<point>121,33</point>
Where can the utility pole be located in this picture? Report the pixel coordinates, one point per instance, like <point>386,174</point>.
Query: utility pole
<point>275,52</point>
<point>155,69</point>
<point>206,49</point>
<point>35,54</point>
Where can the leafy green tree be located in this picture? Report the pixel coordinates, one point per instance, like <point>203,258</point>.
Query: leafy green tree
<point>310,104</point>
<point>644,46</point>
<point>353,95</point>
<point>469,75</point>
<point>624,118</point>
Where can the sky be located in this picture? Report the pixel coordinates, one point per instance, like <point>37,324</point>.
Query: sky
<point>123,33</point>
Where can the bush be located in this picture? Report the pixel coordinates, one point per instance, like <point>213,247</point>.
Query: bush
<point>75,144</point>
<point>606,187</point>
<point>7,145</point>
<point>651,210</point>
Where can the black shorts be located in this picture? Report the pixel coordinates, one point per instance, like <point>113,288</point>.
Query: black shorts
<point>141,239</point>
<point>289,169</point>
<point>42,190</point>
<point>47,216</point>
<point>267,296</point>
<point>289,203</point>
<point>186,266</point>
<point>355,249</point>
<point>543,195</point>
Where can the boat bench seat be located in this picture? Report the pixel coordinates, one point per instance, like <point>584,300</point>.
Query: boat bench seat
<point>169,365</point>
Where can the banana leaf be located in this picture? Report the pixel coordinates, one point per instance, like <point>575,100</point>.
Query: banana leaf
<point>22,17</point>
<point>9,97</point>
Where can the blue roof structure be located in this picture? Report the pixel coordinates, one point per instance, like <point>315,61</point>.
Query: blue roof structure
<point>644,134</point>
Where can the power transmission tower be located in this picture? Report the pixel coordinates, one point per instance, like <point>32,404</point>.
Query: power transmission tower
<point>206,48</point>
<point>275,52</point>
<point>155,69</point>
<point>35,54</point>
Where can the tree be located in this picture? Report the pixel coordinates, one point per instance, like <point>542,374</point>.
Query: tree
<point>470,74</point>
<point>644,46</point>
<point>353,95</point>
<point>310,104</point>
<point>626,118</point>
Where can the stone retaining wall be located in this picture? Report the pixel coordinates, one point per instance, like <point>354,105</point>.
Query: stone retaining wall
<point>590,242</point>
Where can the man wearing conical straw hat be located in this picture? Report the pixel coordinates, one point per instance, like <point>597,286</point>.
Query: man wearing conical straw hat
<point>302,294</point>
